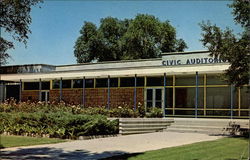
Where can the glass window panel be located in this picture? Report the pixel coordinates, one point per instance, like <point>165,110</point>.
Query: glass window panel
<point>158,104</point>
<point>66,83</point>
<point>77,83</point>
<point>113,82</point>
<point>169,81</point>
<point>169,97</point>
<point>218,113</point>
<point>184,112</point>
<point>245,97</point>
<point>216,80</point>
<point>169,112</point>
<point>89,83</point>
<point>188,80</point>
<point>218,97</point>
<point>140,81</point>
<point>244,113</point>
<point>149,94</point>
<point>127,82</point>
<point>158,94</point>
<point>102,82</point>
<point>155,81</point>
<point>47,96</point>
<point>43,96</point>
<point>185,97</point>
<point>149,104</point>
<point>31,86</point>
<point>45,85</point>
<point>56,84</point>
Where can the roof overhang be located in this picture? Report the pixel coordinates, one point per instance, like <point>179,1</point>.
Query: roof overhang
<point>175,70</point>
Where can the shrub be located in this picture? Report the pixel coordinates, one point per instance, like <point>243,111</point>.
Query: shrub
<point>59,124</point>
<point>154,112</point>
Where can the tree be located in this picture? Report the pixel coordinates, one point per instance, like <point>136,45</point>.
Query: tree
<point>15,19</point>
<point>142,37</point>
<point>233,48</point>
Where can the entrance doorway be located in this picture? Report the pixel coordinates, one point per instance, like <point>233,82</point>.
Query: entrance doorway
<point>45,96</point>
<point>154,98</point>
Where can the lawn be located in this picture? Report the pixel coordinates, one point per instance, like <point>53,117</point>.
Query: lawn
<point>15,141</point>
<point>222,149</point>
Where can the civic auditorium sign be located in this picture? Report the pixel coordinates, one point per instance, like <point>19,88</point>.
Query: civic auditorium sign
<point>189,59</point>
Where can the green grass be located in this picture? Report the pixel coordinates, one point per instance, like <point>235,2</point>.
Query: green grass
<point>15,141</point>
<point>222,149</point>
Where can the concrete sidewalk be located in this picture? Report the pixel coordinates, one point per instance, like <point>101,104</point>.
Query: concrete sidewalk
<point>105,147</point>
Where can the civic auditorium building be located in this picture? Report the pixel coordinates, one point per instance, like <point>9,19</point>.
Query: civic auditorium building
<point>186,84</point>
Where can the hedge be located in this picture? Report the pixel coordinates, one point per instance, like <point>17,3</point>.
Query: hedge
<point>57,124</point>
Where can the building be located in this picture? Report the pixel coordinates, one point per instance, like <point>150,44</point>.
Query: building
<point>182,84</point>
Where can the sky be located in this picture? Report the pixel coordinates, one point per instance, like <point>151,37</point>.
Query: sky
<point>56,24</point>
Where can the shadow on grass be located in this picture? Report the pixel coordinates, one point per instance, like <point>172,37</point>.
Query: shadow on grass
<point>46,153</point>
<point>122,157</point>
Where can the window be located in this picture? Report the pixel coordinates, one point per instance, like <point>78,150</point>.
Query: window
<point>130,81</point>
<point>186,97</point>
<point>89,83</point>
<point>65,84</point>
<point>45,85</point>
<point>245,103</point>
<point>77,83</point>
<point>113,82</point>
<point>35,85</point>
<point>127,82</point>
<point>218,97</point>
<point>189,80</point>
<point>140,81</point>
<point>103,82</point>
<point>155,81</point>
<point>216,80</point>
<point>31,85</point>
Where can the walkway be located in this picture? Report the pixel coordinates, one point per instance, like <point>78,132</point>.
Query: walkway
<point>104,147</point>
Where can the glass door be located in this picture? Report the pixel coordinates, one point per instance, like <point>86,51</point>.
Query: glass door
<point>154,98</point>
<point>45,96</point>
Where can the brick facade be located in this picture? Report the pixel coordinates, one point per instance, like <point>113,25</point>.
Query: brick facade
<point>33,96</point>
<point>99,96</point>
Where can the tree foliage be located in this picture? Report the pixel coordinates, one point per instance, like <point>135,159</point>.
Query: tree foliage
<point>15,19</point>
<point>145,36</point>
<point>228,46</point>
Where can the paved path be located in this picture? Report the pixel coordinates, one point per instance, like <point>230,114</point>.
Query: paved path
<point>104,147</point>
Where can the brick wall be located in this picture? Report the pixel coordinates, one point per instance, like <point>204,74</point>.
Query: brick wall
<point>30,95</point>
<point>98,97</point>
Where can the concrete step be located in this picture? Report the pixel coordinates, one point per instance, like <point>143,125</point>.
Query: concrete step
<point>135,132</point>
<point>196,127</point>
<point>142,129</point>
<point>144,125</point>
<point>186,130</point>
<point>201,122</point>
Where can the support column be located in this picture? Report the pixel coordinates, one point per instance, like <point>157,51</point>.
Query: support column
<point>173,95</point>
<point>196,93</point>
<point>20,91</point>
<point>2,92</point>
<point>40,90</point>
<point>205,94</point>
<point>239,100</point>
<point>108,102</point>
<point>231,100</point>
<point>60,98</point>
<point>83,92</point>
<point>135,92</point>
<point>165,95</point>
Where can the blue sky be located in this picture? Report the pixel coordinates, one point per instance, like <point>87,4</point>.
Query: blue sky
<point>56,25</point>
